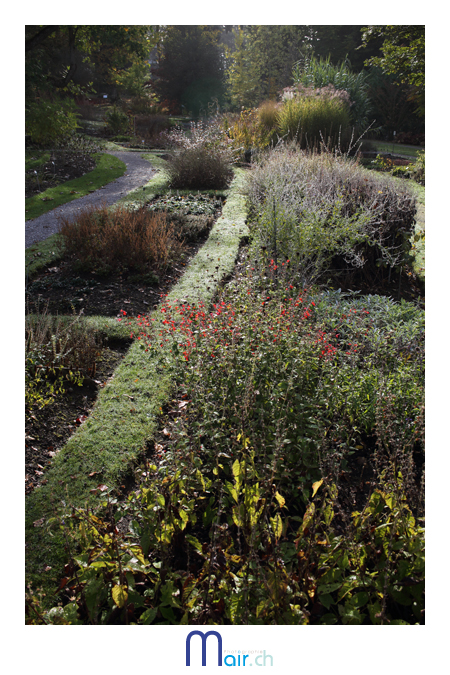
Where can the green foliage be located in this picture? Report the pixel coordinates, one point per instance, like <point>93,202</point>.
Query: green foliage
<point>66,59</point>
<point>235,520</point>
<point>415,170</point>
<point>403,55</point>
<point>50,122</point>
<point>261,64</point>
<point>324,214</point>
<point>312,121</point>
<point>190,70</point>
<point>376,571</point>
<point>134,80</point>
<point>318,73</point>
<point>58,351</point>
<point>419,168</point>
<point>117,121</point>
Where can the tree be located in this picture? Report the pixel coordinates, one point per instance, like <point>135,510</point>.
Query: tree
<point>340,43</point>
<point>242,77</point>
<point>190,72</point>
<point>63,59</point>
<point>263,60</point>
<point>403,55</point>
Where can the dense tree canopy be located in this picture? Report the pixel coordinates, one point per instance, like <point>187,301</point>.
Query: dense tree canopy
<point>261,64</point>
<point>403,55</point>
<point>68,58</point>
<point>186,69</point>
<point>190,72</point>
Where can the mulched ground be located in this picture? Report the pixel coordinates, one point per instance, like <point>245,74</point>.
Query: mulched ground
<point>60,168</point>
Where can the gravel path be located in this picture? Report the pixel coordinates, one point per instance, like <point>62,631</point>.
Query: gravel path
<point>139,171</point>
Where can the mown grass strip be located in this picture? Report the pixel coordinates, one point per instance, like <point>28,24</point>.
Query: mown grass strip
<point>108,168</point>
<point>127,409</point>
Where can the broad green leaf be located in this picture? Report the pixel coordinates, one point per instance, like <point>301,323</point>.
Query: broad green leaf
<point>328,588</point>
<point>168,614</point>
<point>194,542</point>
<point>232,490</point>
<point>184,518</point>
<point>237,515</point>
<point>308,517</point>
<point>148,616</point>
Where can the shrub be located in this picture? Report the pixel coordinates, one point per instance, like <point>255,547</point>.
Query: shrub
<point>150,127</point>
<point>419,168</point>
<point>325,214</point>
<point>58,350</point>
<point>202,159</point>
<point>313,121</point>
<point>117,121</point>
<point>100,238</point>
<point>247,133</point>
<point>267,114</point>
<point>50,122</point>
<point>199,169</point>
<point>321,73</point>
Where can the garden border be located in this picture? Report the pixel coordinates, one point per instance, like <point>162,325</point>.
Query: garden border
<point>142,383</point>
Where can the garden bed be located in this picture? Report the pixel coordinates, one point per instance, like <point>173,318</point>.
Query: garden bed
<point>62,289</point>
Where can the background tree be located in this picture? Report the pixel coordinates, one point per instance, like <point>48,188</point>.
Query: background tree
<point>242,76</point>
<point>392,106</point>
<point>261,64</point>
<point>403,56</point>
<point>190,72</point>
<point>67,59</point>
<point>341,43</point>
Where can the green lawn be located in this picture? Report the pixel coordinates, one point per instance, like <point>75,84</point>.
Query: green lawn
<point>397,149</point>
<point>108,169</point>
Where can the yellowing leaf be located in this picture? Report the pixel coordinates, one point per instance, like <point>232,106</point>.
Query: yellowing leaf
<point>281,500</point>
<point>277,525</point>
<point>119,595</point>
<point>316,486</point>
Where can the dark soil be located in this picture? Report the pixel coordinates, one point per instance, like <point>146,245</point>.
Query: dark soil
<point>63,288</point>
<point>48,429</point>
<point>61,168</point>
